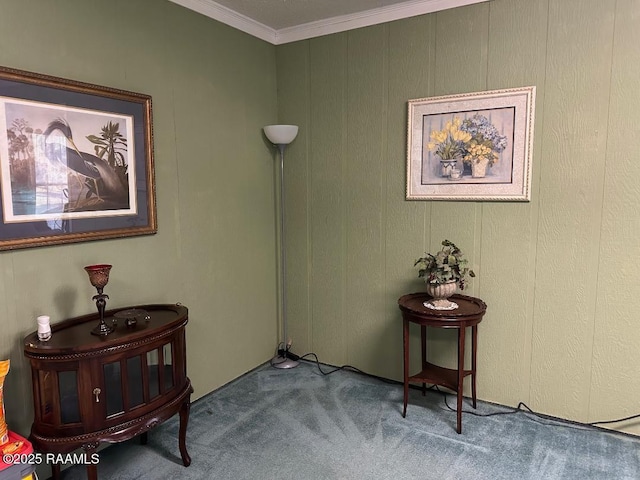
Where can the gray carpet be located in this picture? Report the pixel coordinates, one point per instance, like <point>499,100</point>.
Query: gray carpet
<point>299,424</point>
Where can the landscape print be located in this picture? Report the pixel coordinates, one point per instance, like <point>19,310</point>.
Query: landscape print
<point>59,163</point>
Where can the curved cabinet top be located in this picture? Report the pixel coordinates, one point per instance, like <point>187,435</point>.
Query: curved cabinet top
<point>72,338</point>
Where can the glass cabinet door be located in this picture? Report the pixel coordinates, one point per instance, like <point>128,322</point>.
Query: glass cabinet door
<point>153,360</point>
<point>128,371</point>
<point>168,366</point>
<point>63,385</point>
<point>134,381</point>
<point>160,370</point>
<point>46,379</point>
<point>113,388</point>
<point>68,391</point>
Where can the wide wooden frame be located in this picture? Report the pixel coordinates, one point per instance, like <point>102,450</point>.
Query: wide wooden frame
<point>76,161</point>
<point>449,126</point>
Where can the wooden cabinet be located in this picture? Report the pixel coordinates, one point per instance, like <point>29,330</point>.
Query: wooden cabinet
<point>89,389</point>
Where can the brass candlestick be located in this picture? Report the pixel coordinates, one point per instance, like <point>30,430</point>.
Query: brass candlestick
<point>99,277</point>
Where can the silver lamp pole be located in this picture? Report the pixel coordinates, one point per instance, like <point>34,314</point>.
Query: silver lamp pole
<point>281,136</point>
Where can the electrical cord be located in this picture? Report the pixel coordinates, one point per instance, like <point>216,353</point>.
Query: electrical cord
<point>350,368</point>
<point>335,369</point>
<point>524,408</point>
<point>521,408</point>
<point>604,422</point>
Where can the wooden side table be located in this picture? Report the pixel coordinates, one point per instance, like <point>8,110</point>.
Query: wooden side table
<point>468,314</point>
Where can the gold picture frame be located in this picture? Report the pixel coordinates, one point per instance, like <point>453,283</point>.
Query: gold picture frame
<point>76,161</point>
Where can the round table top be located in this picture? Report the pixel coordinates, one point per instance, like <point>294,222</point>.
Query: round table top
<point>468,307</point>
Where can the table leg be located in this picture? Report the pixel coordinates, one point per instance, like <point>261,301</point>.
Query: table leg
<point>92,472</point>
<point>405,350</point>
<point>182,434</point>
<point>474,348</point>
<point>423,342</point>
<point>92,468</point>
<point>461,332</point>
<point>55,471</point>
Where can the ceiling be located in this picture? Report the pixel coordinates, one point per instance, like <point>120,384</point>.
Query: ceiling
<point>284,21</point>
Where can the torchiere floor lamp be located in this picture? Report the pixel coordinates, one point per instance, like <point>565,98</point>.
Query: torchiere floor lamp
<point>281,136</point>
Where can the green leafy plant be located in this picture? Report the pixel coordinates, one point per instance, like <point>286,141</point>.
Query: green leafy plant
<point>111,146</point>
<point>447,265</point>
<point>111,143</point>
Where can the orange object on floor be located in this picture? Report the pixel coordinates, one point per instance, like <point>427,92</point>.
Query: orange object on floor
<point>19,449</point>
<point>4,436</point>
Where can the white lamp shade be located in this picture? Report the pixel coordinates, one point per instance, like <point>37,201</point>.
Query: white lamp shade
<point>281,134</point>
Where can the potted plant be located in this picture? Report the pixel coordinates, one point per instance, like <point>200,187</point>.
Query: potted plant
<point>484,145</point>
<point>449,144</point>
<point>443,273</point>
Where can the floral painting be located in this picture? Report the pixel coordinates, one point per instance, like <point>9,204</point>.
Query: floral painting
<point>468,147</point>
<point>471,147</point>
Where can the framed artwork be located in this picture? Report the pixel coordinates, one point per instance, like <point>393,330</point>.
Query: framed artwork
<point>76,161</point>
<point>474,146</point>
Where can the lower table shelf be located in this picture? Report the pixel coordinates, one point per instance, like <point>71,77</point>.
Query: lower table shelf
<point>437,375</point>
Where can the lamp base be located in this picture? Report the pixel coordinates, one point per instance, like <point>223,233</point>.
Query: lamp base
<point>280,361</point>
<point>102,329</point>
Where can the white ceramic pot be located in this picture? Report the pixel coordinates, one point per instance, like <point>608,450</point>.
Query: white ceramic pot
<point>440,293</point>
<point>441,290</point>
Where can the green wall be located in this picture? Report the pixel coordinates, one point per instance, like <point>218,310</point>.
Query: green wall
<point>213,88</point>
<point>558,273</point>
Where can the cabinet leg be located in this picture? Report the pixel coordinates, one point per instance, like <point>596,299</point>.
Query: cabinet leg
<point>92,468</point>
<point>182,440</point>
<point>92,472</point>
